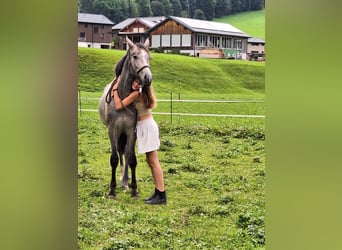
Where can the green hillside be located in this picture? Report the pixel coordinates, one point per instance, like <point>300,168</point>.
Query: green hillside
<point>251,22</point>
<point>193,76</point>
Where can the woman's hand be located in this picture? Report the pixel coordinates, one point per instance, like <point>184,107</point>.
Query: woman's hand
<point>115,86</point>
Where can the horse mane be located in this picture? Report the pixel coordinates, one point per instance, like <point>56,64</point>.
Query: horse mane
<point>119,65</point>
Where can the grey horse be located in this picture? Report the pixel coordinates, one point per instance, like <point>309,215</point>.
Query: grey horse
<point>121,125</point>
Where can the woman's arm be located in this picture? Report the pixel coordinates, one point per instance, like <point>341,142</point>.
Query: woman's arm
<point>121,104</point>
<point>116,85</point>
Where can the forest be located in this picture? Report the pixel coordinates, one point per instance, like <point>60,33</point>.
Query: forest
<point>119,10</point>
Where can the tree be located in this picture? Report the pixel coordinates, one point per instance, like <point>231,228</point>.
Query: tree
<point>102,7</point>
<point>222,8</point>
<point>184,14</point>
<point>208,7</point>
<point>199,14</point>
<point>167,7</point>
<point>144,8</point>
<point>177,7</point>
<point>87,6</point>
<point>185,5</point>
<point>192,7</point>
<point>157,8</point>
<point>236,6</point>
<point>258,4</point>
<point>132,8</point>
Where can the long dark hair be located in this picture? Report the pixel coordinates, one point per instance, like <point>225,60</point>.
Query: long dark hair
<point>148,97</point>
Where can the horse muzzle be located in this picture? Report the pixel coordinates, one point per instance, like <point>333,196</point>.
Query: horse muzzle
<point>145,75</point>
<point>147,80</point>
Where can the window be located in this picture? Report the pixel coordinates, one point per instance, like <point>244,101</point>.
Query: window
<point>186,40</point>
<point>96,30</point>
<point>102,35</point>
<point>201,40</point>
<point>237,44</point>
<point>214,41</point>
<point>165,40</point>
<point>155,41</point>
<point>175,40</point>
<point>82,34</point>
<point>136,39</point>
<point>86,25</point>
<point>135,30</point>
<point>226,42</point>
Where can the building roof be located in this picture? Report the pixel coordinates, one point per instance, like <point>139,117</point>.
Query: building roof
<point>148,21</point>
<point>203,26</point>
<point>255,40</point>
<point>93,18</point>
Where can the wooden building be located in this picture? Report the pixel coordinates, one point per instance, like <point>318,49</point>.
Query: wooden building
<point>191,36</point>
<point>94,31</point>
<point>136,29</point>
<point>256,49</point>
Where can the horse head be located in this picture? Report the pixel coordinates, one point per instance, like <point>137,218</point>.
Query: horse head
<point>140,61</point>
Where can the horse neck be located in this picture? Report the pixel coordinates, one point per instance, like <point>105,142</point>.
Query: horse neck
<point>126,80</point>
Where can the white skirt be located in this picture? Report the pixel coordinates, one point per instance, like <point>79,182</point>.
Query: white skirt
<point>147,135</point>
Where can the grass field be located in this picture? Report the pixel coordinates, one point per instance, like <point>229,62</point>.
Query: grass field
<point>251,22</point>
<point>189,76</point>
<point>214,176</point>
<point>214,167</point>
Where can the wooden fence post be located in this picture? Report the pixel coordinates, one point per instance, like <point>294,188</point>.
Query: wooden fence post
<point>171,106</point>
<point>79,101</point>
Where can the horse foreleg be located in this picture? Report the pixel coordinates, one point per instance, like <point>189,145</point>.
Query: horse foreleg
<point>132,162</point>
<point>113,162</point>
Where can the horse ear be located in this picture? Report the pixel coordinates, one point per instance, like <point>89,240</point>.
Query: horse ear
<point>129,42</point>
<point>147,43</point>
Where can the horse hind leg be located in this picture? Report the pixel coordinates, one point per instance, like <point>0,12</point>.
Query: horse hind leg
<point>113,162</point>
<point>123,173</point>
<point>132,162</point>
<point>123,165</point>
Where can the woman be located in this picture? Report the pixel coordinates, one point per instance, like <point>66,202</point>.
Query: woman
<point>147,133</point>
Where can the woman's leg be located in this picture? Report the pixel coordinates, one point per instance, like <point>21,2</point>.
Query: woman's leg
<point>157,172</point>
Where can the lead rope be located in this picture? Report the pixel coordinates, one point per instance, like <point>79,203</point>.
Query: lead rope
<point>109,96</point>
<point>126,108</point>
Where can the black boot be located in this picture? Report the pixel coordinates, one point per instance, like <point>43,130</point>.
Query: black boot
<point>153,195</point>
<point>160,198</point>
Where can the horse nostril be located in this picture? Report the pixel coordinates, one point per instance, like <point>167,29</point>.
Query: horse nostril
<point>148,80</point>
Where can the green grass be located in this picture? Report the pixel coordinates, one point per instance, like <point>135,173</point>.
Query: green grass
<point>251,22</point>
<point>214,168</point>
<point>214,176</point>
<point>189,76</point>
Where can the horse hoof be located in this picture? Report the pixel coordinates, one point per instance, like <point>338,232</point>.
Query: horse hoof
<point>135,195</point>
<point>111,196</point>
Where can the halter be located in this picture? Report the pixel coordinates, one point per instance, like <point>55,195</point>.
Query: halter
<point>143,67</point>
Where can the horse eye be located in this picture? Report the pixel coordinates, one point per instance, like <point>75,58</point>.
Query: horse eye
<point>135,57</point>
